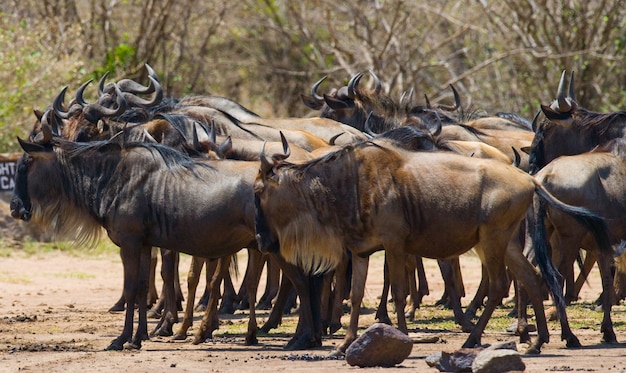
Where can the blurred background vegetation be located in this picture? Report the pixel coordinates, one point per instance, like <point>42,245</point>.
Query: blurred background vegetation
<point>504,55</point>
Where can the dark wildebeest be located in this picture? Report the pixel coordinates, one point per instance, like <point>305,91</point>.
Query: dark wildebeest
<point>144,195</point>
<point>376,195</point>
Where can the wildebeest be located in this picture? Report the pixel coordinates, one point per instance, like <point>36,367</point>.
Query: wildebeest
<point>376,195</point>
<point>144,195</point>
<point>594,180</point>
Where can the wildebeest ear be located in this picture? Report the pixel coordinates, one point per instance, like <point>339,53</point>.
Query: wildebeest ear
<point>266,165</point>
<point>553,114</point>
<point>525,149</point>
<point>225,147</point>
<point>30,147</point>
<point>310,102</point>
<point>337,104</point>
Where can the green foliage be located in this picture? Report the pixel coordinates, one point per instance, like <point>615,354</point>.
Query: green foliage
<point>119,59</point>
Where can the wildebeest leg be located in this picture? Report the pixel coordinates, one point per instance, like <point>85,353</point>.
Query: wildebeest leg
<point>136,261</point>
<point>309,330</point>
<point>153,296</point>
<point>276,314</point>
<point>230,299</point>
<point>381,313</point>
<point>454,298</point>
<point>608,293</point>
<point>272,284</point>
<point>242,295</point>
<point>417,294</point>
<point>119,305</point>
<point>481,293</point>
<point>359,276</point>
<point>397,279</point>
<point>336,311</point>
<point>169,315</point>
<point>255,264</point>
<point>210,321</point>
<point>193,278</point>
<point>529,281</point>
<point>491,252</point>
<point>327,297</point>
<point>588,263</point>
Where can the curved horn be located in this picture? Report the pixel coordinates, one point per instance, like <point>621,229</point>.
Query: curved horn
<point>101,86</point>
<point>334,138</point>
<point>95,111</point>
<point>57,104</point>
<point>457,101</point>
<point>79,93</point>
<point>314,88</point>
<point>151,72</point>
<point>45,120</point>
<point>564,106</point>
<point>518,159</point>
<point>367,127</point>
<point>45,135</point>
<point>352,85</point>
<point>286,149</point>
<point>439,125</point>
<point>143,103</point>
<point>266,165</point>
<point>377,84</point>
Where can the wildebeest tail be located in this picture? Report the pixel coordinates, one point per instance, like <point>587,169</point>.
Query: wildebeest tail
<point>588,219</point>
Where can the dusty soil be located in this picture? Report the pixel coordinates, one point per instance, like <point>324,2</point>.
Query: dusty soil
<point>53,318</point>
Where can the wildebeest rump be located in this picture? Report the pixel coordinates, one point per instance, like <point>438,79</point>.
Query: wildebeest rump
<point>375,195</point>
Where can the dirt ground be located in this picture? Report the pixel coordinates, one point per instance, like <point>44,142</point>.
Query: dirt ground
<point>53,318</point>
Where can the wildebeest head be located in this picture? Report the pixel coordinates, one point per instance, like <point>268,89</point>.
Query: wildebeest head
<point>265,181</point>
<point>568,129</point>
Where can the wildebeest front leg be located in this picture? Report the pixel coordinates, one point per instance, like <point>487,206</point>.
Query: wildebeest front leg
<point>255,267</point>
<point>136,262</point>
<point>170,309</point>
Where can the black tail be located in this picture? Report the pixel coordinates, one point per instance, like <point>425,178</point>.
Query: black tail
<point>588,219</point>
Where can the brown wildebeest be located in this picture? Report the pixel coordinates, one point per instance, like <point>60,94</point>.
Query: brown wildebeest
<point>594,180</point>
<point>376,195</point>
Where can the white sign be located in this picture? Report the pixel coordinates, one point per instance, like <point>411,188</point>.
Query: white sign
<point>7,176</point>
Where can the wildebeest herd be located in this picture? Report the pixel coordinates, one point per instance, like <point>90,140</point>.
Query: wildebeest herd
<point>205,176</point>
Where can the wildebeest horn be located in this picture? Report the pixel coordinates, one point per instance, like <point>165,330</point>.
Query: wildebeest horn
<point>457,101</point>
<point>518,158</point>
<point>439,125</point>
<point>140,102</point>
<point>45,135</point>
<point>213,133</point>
<point>95,111</point>
<point>149,137</point>
<point>314,88</point>
<point>334,138</point>
<point>571,93</point>
<point>377,84</point>
<point>101,87</point>
<point>151,72</point>
<point>45,121</point>
<point>367,127</point>
<point>79,93</point>
<point>266,165</point>
<point>352,85</point>
<point>427,101</point>
<point>564,106</point>
<point>286,149</point>
<point>57,104</point>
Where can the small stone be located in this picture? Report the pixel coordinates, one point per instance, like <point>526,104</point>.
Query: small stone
<point>379,345</point>
<point>497,361</point>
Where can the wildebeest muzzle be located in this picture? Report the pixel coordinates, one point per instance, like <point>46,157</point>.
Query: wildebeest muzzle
<point>19,209</point>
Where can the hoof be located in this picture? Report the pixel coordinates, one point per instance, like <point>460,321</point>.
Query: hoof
<point>251,341</point>
<point>163,332</point>
<point>179,336</point>
<point>302,343</point>
<point>334,327</point>
<point>532,351</point>
<point>200,308</point>
<point>132,346</point>
<point>115,346</point>
<point>336,353</point>
<point>573,342</point>
<point>153,314</point>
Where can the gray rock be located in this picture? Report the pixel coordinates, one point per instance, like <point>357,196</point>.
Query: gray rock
<point>379,345</point>
<point>497,361</point>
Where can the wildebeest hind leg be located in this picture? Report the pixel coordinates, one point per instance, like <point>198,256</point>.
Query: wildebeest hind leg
<point>170,310</point>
